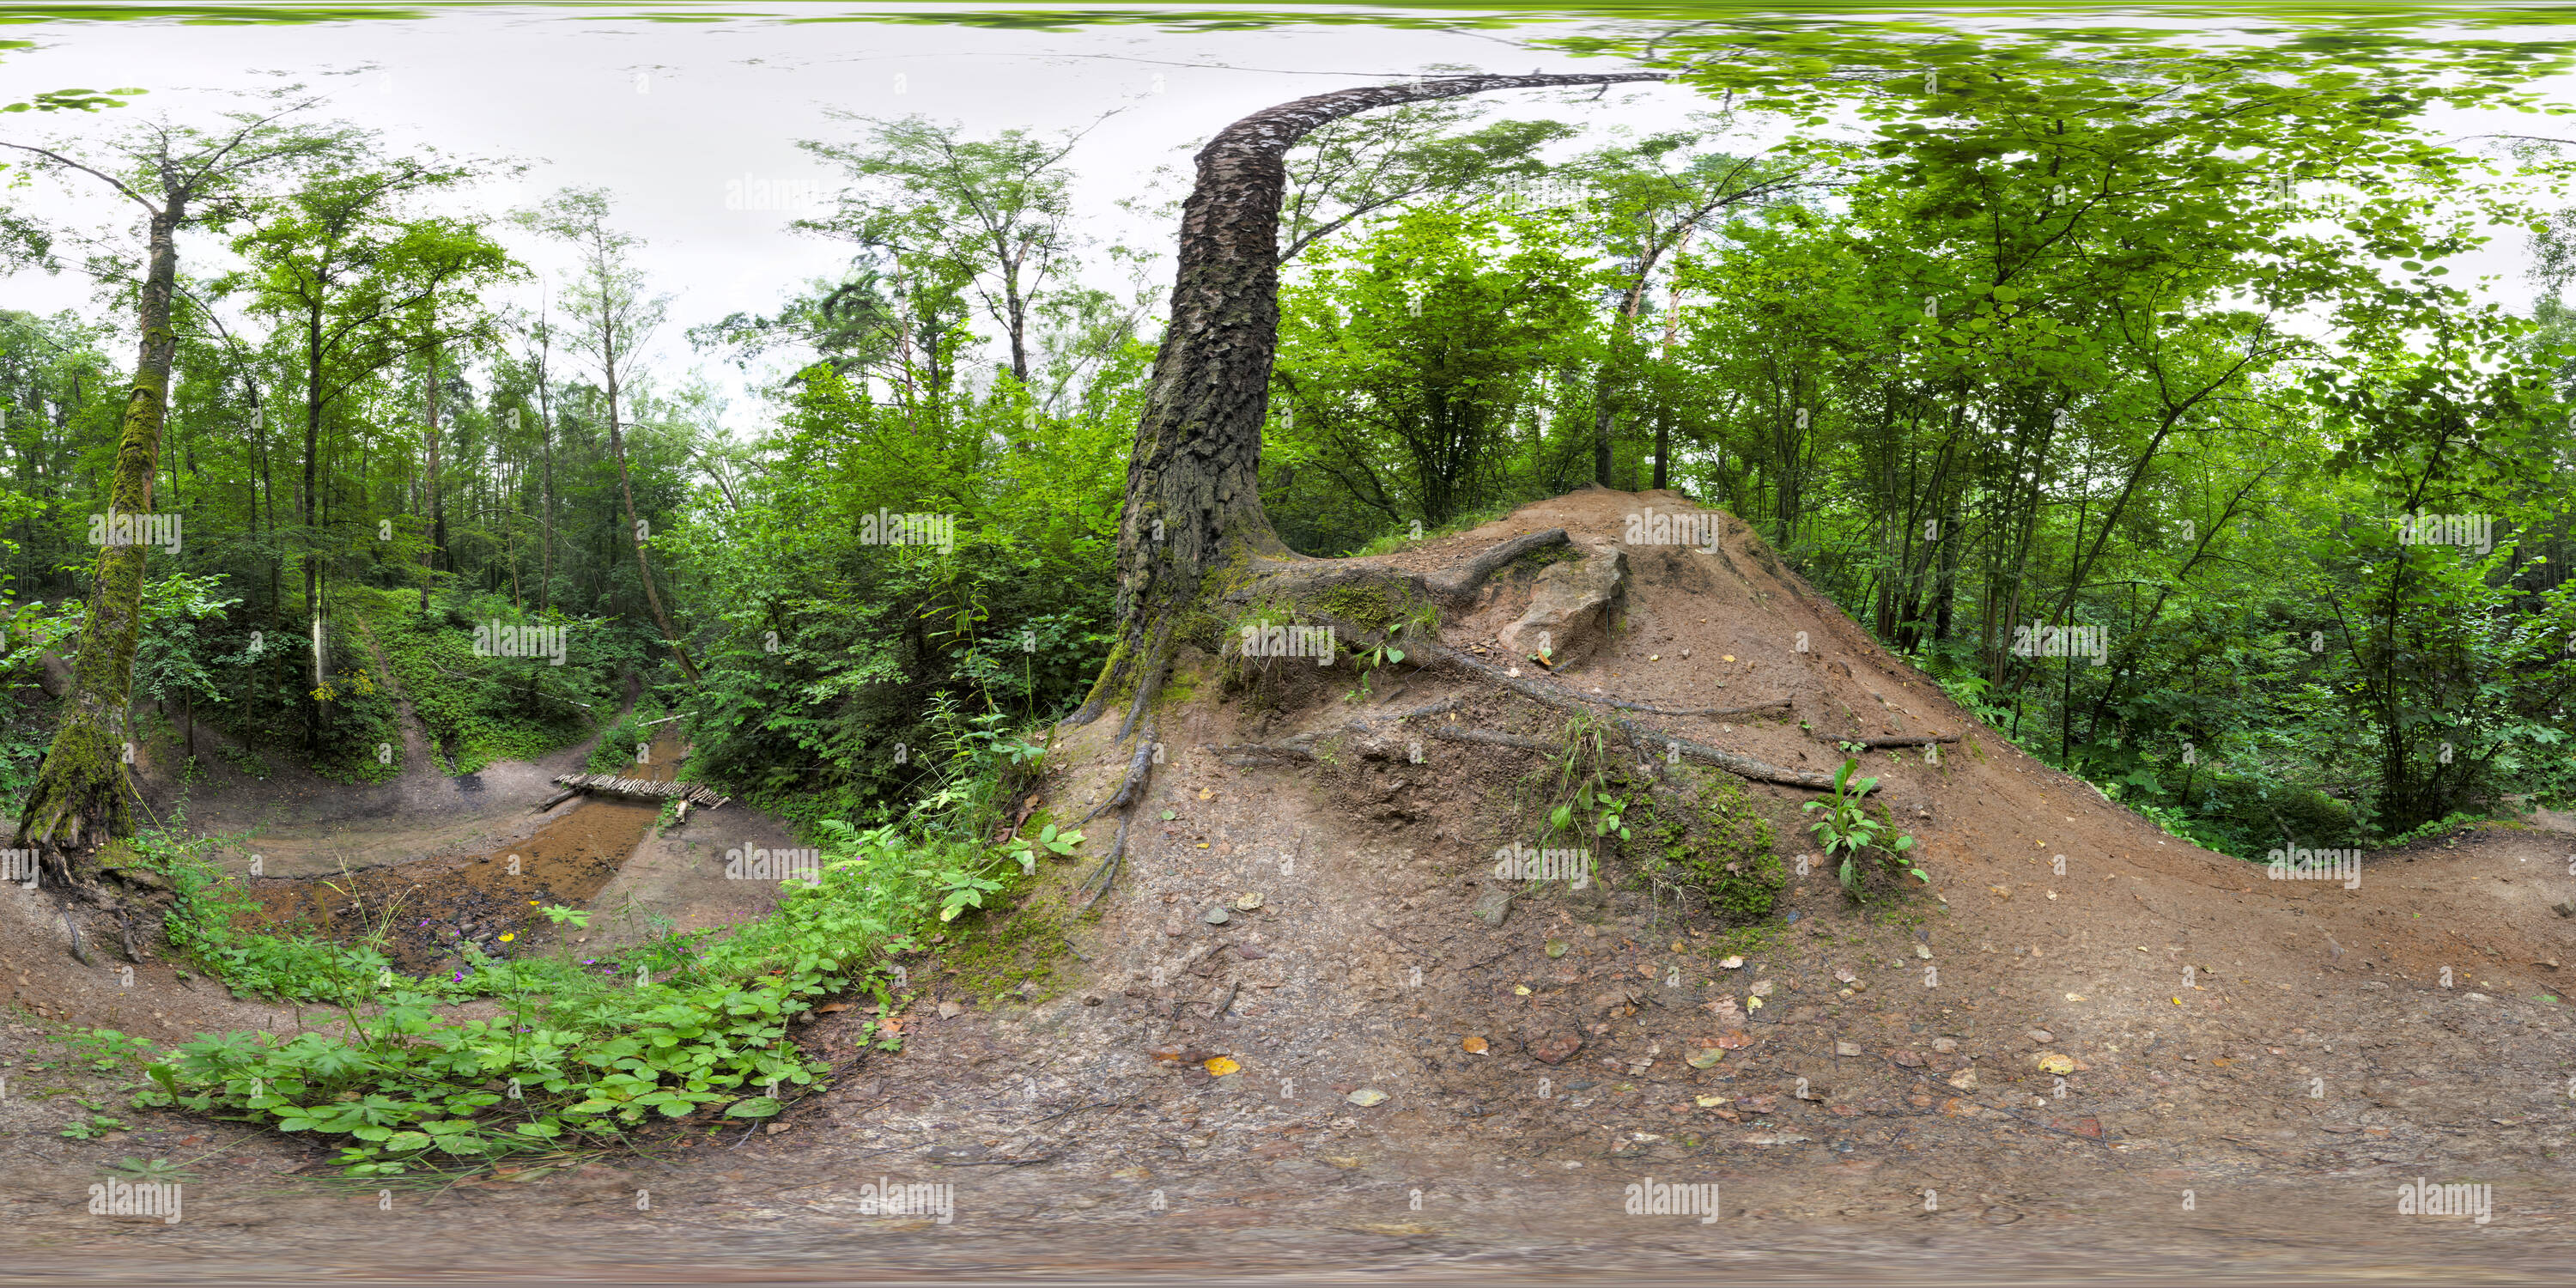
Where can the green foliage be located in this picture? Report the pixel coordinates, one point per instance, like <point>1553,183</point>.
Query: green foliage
<point>92,1126</point>
<point>614,753</point>
<point>484,707</point>
<point>1025,849</point>
<point>583,1054</point>
<point>1584,803</point>
<point>1427,347</point>
<point>1846,829</point>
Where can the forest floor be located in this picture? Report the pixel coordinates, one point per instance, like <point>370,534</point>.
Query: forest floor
<point>2252,1067</point>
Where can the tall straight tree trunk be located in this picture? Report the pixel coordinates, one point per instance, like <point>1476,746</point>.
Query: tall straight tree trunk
<point>546,513</point>
<point>306,502</point>
<point>635,527</point>
<point>437,515</point>
<point>1193,497</point>
<point>81,788</point>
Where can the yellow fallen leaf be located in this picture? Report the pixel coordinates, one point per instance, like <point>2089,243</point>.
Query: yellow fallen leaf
<point>2075,997</point>
<point>1520,990</point>
<point>1753,1003</point>
<point>1476,1045</point>
<point>1709,1102</point>
<point>1205,794</point>
<point>1220,1066</point>
<point>2052,1062</point>
<point>1729,657</point>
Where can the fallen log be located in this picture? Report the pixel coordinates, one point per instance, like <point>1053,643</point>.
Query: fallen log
<point>640,789</point>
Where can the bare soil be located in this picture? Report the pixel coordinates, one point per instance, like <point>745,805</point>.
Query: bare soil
<point>2252,1067</point>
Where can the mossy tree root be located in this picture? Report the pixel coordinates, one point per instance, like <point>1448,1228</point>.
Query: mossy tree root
<point>81,796</point>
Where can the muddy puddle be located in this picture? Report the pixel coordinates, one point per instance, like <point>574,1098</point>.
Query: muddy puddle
<point>422,914</point>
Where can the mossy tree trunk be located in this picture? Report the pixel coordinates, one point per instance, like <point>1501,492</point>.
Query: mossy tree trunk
<point>1193,504</point>
<point>82,795</point>
<point>81,792</point>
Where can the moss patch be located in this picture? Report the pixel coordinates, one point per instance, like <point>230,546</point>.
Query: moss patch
<point>1709,838</point>
<point>995,952</point>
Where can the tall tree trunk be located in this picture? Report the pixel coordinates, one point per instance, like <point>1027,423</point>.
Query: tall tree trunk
<point>437,514</point>
<point>546,514</point>
<point>81,788</point>
<point>1193,498</point>
<point>635,528</point>
<point>1018,310</point>
<point>306,502</point>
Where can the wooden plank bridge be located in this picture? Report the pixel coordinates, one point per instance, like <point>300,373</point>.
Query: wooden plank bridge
<point>634,789</point>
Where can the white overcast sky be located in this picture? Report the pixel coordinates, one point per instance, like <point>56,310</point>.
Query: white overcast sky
<point>664,114</point>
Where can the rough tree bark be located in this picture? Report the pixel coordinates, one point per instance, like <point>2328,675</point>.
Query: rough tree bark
<point>1193,503</point>
<point>81,789</point>
<point>1193,529</point>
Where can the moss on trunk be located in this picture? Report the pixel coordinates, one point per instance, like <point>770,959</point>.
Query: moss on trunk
<point>81,795</point>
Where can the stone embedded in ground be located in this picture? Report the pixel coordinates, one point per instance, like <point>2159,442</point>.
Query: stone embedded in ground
<point>2041,1036</point>
<point>1570,607</point>
<point>1555,1048</point>
<point>1945,1045</point>
<point>1493,904</point>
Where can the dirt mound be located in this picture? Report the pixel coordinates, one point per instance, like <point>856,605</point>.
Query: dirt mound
<point>2071,985</point>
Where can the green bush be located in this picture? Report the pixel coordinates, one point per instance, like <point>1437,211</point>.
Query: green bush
<point>584,1054</point>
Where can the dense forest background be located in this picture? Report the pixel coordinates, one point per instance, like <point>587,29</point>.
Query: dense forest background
<point>2171,378</point>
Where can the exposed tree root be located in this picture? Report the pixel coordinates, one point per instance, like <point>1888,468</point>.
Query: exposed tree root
<point>1776,704</point>
<point>1107,875</point>
<point>1459,590</point>
<point>1916,740</point>
<point>1489,738</point>
<point>1302,746</point>
<point>1740,766</point>
<point>1563,700</point>
<point>1149,683</point>
<point>1641,739</point>
<point>1139,767</point>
